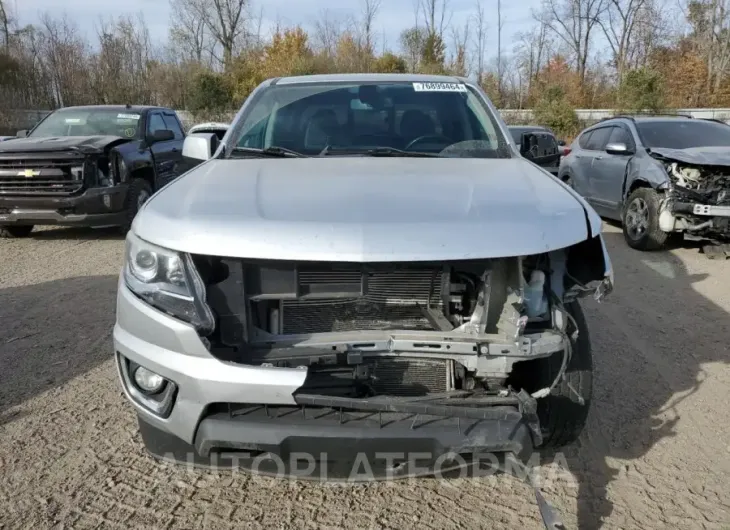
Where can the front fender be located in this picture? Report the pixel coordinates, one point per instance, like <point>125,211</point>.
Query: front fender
<point>593,220</point>
<point>649,172</point>
<point>136,157</point>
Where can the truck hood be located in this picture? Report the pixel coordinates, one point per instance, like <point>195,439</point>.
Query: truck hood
<point>365,209</point>
<point>83,144</point>
<point>701,156</point>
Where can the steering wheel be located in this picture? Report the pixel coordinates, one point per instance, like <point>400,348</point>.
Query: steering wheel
<point>430,138</point>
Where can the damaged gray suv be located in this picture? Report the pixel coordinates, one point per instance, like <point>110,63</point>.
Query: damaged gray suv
<point>365,265</point>
<point>661,176</point>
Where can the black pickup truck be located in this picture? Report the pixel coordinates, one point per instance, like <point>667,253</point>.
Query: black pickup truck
<point>87,166</point>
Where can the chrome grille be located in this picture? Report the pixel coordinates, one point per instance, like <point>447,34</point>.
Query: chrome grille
<point>51,175</point>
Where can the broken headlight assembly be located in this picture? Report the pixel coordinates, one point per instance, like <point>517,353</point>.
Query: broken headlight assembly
<point>168,281</point>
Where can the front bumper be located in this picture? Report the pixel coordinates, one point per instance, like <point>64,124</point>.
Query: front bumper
<point>707,210</point>
<point>209,425</point>
<point>95,207</point>
<point>316,444</point>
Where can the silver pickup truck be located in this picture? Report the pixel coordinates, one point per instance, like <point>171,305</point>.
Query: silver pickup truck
<point>364,268</point>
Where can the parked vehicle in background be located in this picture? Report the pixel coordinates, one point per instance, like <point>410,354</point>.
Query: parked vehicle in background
<point>563,148</point>
<point>87,166</point>
<point>362,247</point>
<point>660,176</point>
<point>217,128</point>
<point>544,149</point>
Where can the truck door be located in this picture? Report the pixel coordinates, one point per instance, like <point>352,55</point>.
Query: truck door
<point>173,123</point>
<point>163,153</point>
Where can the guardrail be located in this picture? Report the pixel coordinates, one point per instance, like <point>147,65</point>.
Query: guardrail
<point>13,120</point>
<point>525,115</point>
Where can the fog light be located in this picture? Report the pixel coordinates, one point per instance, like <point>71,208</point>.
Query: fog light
<point>148,381</point>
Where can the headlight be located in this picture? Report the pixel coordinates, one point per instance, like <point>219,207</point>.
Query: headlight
<point>168,281</point>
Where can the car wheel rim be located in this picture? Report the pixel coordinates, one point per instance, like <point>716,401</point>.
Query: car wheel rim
<point>637,218</point>
<point>142,198</point>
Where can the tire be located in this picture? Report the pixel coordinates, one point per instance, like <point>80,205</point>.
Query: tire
<point>138,193</point>
<point>640,220</point>
<point>12,232</point>
<point>562,415</point>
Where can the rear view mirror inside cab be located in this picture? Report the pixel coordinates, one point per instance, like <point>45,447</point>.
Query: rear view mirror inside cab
<point>356,104</point>
<point>370,97</point>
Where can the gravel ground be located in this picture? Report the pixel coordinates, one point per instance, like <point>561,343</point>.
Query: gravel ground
<point>655,453</point>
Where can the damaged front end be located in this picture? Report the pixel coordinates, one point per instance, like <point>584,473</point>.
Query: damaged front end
<point>415,339</point>
<point>697,196</point>
<point>73,185</point>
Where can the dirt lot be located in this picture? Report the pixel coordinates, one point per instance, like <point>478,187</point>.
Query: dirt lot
<point>656,452</point>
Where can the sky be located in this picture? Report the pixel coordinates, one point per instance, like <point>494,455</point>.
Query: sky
<point>393,17</point>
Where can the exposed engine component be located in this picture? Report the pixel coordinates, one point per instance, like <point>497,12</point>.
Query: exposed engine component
<point>370,329</point>
<point>697,200</point>
<point>389,376</point>
<point>707,185</point>
<point>687,177</point>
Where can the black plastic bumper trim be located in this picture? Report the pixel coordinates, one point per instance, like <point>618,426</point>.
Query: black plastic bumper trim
<point>281,446</point>
<point>86,209</point>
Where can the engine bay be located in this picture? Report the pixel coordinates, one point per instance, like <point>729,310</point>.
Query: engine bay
<point>402,328</point>
<point>697,201</point>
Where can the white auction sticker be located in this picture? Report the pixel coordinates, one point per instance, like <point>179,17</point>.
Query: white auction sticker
<point>128,116</point>
<point>439,87</point>
<point>73,120</point>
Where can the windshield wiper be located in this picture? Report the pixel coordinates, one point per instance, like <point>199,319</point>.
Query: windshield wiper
<point>273,151</point>
<point>374,151</point>
<point>392,151</point>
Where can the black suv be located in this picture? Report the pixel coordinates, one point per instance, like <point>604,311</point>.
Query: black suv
<point>87,166</point>
<point>543,148</point>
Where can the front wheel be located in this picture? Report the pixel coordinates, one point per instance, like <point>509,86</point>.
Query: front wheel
<point>11,232</point>
<point>640,220</point>
<point>138,193</point>
<point>564,412</point>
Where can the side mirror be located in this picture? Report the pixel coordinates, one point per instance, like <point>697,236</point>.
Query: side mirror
<point>617,149</point>
<point>561,143</point>
<point>162,135</point>
<point>199,147</point>
<point>528,145</point>
<point>22,133</point>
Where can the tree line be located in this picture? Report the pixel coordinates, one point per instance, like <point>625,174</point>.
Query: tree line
<point>624,54</point>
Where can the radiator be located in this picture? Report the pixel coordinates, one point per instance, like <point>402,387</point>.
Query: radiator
<point>408,377</point>
<point>362,300</point>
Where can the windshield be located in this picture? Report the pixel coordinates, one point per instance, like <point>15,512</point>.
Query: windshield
<point>684,134</point>
<point>440,119</point>
<point>89,122</point>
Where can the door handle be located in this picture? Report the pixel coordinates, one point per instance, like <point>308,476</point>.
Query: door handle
<point>175,149</point>
<point>598,158</point>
